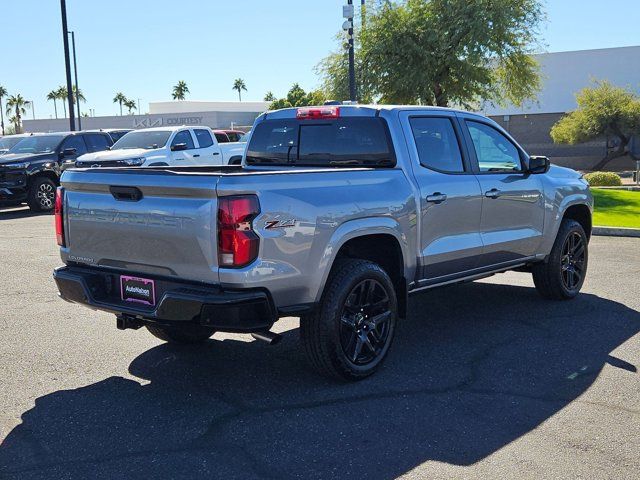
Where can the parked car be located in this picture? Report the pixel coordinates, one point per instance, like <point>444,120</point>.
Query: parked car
<point>233,135</point>
<point>336,215</point>
<point>165,146</point>
<point>31,170</point>
<point>221,136</point>
<point>10,140</point>
<point>115,133</point>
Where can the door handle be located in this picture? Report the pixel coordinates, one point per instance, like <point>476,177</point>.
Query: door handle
<point>196,155</point>
<point>436,198</point>
<point>493,193</point>
<point>216,153</point>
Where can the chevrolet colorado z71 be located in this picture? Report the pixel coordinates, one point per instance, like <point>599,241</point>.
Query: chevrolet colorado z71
<point>336,215</point>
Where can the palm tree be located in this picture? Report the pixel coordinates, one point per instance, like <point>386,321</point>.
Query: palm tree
<point>53,95</point>
<point>16,104</point>
<point>62,96</point>
<point>77,95</point>
<point>269,97</point>
<point>121,99</point>
<point>180,90</point>
<point>131,105</point>
<point>3,93</point>
<point>239,85</point>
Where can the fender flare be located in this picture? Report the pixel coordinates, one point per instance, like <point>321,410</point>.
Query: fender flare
<point>362,227</point>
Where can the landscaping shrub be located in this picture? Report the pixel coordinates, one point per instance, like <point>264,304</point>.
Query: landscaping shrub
<point>603,179</point>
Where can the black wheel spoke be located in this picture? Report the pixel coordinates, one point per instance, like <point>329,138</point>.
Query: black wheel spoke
<point>357,349</point>
<point>365,322</point>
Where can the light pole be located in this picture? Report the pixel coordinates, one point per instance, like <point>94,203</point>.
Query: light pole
<point>348,13</point>
<point>75,69</point>
<point>67,64</point>
<point>33,109</point>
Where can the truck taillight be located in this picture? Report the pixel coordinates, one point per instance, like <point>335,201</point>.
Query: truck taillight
<point>58,211</point>
<point>313,113</point>
<point>237,242</point>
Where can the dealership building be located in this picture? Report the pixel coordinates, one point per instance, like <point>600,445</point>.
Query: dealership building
<point>185,112</point>
<point>563,75</point>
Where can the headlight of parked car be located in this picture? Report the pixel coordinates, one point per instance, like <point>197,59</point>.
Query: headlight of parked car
<point>134,161</point>
<point>17,165</point>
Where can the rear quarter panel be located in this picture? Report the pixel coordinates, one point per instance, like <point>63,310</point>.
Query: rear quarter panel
<point>316,213</point>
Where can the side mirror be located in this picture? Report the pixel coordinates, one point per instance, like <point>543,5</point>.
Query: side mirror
<point>538,164</point>
<point>69,152</point>
<point>178,147</point>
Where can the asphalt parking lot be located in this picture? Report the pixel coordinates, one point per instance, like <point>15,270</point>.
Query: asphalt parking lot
<point>484,380</point>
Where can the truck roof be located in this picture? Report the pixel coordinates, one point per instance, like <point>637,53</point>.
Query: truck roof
<point>355,109</point>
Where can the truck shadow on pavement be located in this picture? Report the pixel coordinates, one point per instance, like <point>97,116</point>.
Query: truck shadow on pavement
<point>473,368</point>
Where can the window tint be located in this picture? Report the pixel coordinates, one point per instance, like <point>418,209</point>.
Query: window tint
<point>233,136</point>
<point>183,136</point>
<point>204,138</point>
<point>97,142</point>
<point>343,142</point>
<point>437,144</point>
<point>75,141</point>
<point>495,152</point>
<point>221,137</point>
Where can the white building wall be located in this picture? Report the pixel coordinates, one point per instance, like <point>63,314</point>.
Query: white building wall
<point>186,106</point>
<point>565,73</point>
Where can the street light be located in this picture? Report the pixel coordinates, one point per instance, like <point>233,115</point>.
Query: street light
<point>75,69</point>
<point>67,64</point>
<point>348,13</point>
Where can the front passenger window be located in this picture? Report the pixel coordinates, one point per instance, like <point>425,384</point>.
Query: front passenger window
<point>495,152</point>
<point>184,136</point>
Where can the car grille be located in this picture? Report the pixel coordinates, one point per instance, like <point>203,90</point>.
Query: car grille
<point>109,163</point>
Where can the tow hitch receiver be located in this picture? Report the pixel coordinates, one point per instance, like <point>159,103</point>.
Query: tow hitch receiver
<point>124,322</point>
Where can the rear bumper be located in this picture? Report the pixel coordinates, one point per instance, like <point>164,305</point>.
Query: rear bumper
<point>179,303</point>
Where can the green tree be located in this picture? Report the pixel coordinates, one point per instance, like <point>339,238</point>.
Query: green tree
<point>16,106</point>
<point>603,110</point>
<point>269,97</point>
<point>120,99</point>
<point>180,90</point>
<point>53,95</point>
<point>3,93</point>
<point>239,85</point>
<point>78,96</point>
<point>297,97</point>
<point>131,106</point>
<point>444,52</point>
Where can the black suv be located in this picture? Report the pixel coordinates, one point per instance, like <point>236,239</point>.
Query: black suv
<point>31,170</point>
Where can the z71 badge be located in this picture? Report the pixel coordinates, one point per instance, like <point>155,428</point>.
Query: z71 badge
<point>271,224</point>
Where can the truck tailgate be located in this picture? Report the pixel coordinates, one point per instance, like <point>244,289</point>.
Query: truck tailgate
<point>153,222</point>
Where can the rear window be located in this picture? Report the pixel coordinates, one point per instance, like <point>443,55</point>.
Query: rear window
<point>340,142</point>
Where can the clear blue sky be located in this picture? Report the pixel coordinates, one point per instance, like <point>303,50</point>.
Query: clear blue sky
<point>143,47</point>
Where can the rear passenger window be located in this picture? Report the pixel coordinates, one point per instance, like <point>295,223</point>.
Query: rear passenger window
<point>437,144</point>
<point>204,138</point>
<point>222,137</point>
<point>183,136</point>
<point>97,143</point>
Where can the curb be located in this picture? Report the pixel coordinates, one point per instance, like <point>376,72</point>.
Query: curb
<point>616,231</point>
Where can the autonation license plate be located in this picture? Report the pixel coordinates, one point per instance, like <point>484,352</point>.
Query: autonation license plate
<point>139,290</point>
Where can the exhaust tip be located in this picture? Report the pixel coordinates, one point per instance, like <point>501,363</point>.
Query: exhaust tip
<point>270,338</point>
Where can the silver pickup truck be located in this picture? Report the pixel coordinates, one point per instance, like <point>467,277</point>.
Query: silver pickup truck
<point>336,215</point>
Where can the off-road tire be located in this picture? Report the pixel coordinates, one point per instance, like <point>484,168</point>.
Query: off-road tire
<point>321,331</point>
<point>548,276</point>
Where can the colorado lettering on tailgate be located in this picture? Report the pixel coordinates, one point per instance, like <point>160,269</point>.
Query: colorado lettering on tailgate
<point>112,216</point>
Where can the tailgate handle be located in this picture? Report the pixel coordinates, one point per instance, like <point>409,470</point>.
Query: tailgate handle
<point>127,194</point>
